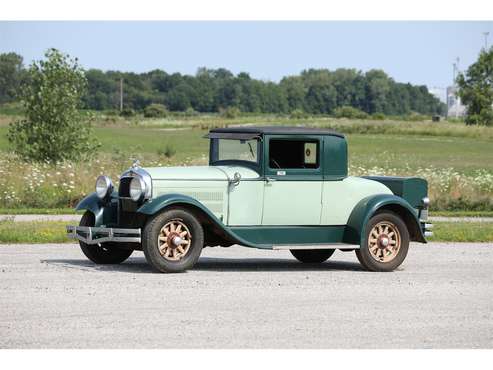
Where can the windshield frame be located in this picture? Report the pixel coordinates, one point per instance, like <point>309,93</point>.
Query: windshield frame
<point>213,154</point>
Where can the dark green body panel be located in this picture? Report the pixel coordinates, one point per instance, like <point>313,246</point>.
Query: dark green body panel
<point>105,211</point>
<point>269,235</point>
<point>412,189</point>
<point>370,205</point>
<point>335,158</point>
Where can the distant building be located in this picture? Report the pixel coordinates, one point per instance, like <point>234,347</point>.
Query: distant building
<point>454,106</point>
<point>439,93</point>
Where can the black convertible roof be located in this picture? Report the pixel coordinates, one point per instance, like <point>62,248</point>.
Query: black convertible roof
<point>245,132</point>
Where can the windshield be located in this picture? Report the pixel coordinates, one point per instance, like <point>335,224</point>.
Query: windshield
<point>243,150</point>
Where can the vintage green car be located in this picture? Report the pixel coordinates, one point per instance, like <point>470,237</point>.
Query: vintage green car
<point>265,187</point>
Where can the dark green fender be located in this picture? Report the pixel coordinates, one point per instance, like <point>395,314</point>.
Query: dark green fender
<point>157,204</point>
<point>368,206</point>
<point>105,212</point>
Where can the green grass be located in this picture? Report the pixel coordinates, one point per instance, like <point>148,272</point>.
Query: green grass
<point>464,154</point>
<point>54,232</point>
<point>462,232</point>
<point>33,232</point>
<point>462,213</point>
<point>36,211</point>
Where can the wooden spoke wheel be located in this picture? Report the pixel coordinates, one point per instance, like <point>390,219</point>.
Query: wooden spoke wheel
<point>174,240</point>
<point>385,244</point>
<point>384,241</point>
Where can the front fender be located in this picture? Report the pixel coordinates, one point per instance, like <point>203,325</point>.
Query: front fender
<point>105,211</point>
<point>161,202</point>
<point>367,207</point>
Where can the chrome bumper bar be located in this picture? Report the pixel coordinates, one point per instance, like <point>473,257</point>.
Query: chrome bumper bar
<point>427,229</point>
<point>96,235</point>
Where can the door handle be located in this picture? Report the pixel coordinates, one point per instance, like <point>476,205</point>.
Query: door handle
<point>270,179</point>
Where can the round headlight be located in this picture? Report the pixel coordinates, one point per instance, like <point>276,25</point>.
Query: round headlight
<point>137,188</point>
<point>104,186</point>
<point>426,202</point>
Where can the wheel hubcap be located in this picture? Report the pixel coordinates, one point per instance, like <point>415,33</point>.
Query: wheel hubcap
<point>174,240</point>
<point>384,241</point>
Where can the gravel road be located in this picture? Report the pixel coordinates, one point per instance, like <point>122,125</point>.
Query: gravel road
<point>52,297</point>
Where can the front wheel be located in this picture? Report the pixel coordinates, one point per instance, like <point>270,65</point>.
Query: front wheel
<point>173,240</point>
<point>385,244</point>
<point>104,253</point>
<point>312,255</point>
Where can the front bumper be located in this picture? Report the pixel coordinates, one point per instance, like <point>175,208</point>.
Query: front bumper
<point>96,235</point>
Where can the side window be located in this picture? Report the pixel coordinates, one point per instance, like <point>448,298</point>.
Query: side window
<point>292,154</point>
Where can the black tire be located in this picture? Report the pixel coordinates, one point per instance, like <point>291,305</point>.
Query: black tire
<point>104,253</point>
<point>312,255</point>
<point>152,232</point>
<point>374,260</point>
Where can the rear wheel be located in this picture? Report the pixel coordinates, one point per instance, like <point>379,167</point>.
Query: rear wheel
<point>312,255</point>
<point>386,243</point>
<point>104,253</point>
<point>173,240</point>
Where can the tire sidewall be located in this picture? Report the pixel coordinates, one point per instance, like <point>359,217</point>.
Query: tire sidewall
<point>312,255</point>
<point>150,243</point>
<point>363,253</point>
<point>96,253</point>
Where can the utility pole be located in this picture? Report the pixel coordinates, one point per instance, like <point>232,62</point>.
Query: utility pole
<point>486,34</point>
<point>121,94</point>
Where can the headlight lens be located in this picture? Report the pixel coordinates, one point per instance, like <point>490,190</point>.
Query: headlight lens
<point>104,186</point>
<point>426,202</point>
<point>137,188</point>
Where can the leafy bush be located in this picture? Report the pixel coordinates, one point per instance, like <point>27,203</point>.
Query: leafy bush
<point>190,112</point>
<point>127,112</point>
<point>54,129</point>
<point>155,111</point>
<point>230,112</point>
<point>378,116</point>
<point>349,112</point>
<point>298,114</point>
<point>168,151</point>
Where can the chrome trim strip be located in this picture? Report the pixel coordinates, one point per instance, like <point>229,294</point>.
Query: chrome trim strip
<point>428,233</point>
<point>314,246</point>
<point>96,235</point>
<point>428,226</point>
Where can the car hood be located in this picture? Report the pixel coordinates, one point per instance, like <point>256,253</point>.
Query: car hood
<point>212,173</point>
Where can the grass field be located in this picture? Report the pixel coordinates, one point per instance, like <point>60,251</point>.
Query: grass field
<point>54,232</point>
<point>455,159</point>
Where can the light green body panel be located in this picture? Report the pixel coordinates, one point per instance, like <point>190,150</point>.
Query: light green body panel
<point>340,197</point>
<point>245,203</point>
<point>292,203</point>
<point>210,186</point>
<point>257,202</point>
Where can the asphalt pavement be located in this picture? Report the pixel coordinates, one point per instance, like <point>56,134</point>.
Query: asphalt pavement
<point>52,297</point>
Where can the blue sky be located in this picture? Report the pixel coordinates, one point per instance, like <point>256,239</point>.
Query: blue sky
<point>416,52</point>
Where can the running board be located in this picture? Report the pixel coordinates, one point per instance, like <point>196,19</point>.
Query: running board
<point>315,246</point>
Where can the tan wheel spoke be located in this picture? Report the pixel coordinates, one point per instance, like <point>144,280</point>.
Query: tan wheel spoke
<point>174,240</point>
<point>384,241</point>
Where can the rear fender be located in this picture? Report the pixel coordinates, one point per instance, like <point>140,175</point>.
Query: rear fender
<point>369,206</point>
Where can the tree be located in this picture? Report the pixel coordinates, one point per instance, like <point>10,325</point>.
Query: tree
<point>476,89</point>
<point>10,76</point>
<point>53,129</point>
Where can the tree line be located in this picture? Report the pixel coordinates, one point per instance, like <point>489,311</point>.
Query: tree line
<point>314,91</point>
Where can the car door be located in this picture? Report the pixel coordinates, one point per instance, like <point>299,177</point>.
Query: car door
<point>293,180</point>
